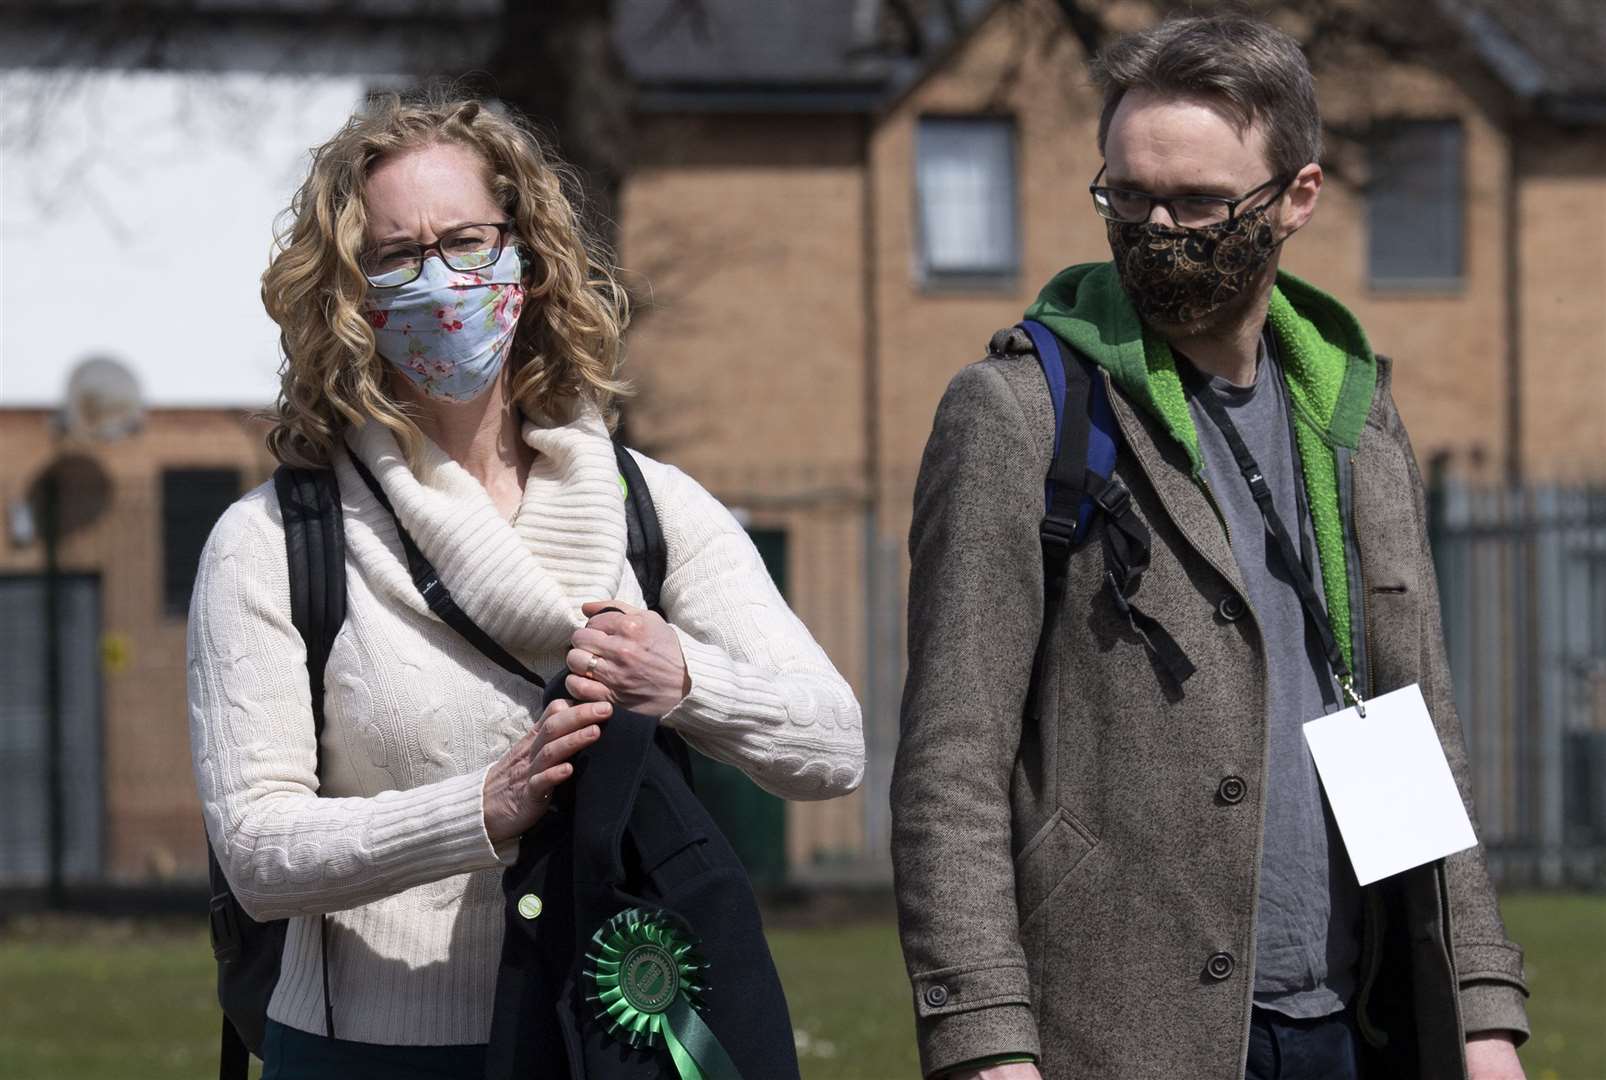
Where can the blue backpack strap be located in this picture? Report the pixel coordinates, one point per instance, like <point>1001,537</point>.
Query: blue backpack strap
<point>1066,507</point>
<point>1100,444</point>
<point>1081,481</point>
<point>1084,434</point>
<point>1075,392</point>
<point>1052,361</point>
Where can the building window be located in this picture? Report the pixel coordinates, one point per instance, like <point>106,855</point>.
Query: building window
<point>771,545</point>
<point>192,501</point>
<point>965,193</point>
<point>1416,206</point>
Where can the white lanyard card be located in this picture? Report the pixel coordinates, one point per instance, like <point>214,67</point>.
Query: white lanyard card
<point>1389,785</point>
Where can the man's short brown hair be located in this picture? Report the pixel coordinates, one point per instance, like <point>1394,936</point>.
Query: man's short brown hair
<point>1254,70</point>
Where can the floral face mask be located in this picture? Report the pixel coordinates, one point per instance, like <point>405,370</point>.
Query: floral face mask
<point>449,330</point>
<point>1178,276</point>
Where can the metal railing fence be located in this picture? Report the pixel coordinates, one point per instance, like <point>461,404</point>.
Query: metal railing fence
<point>1522,579</point>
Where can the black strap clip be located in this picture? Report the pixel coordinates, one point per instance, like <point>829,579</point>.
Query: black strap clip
<point>1058,535</point>
<point>1118,590</point>
<point>1113,498</point>
<point>226,939</point>
<point>1258,486</point>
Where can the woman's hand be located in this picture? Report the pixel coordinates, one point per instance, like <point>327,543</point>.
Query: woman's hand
<point>629,657</point>
<point>518,788</point>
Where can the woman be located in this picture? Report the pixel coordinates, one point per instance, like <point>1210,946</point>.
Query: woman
<point>445,326</point>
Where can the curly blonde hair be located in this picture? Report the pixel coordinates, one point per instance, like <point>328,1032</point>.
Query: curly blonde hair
<point>566,349</point>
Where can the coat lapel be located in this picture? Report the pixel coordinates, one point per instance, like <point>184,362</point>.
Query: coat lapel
<point>1165,466</point>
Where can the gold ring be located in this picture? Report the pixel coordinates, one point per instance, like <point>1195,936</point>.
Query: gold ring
<point>591,667</point>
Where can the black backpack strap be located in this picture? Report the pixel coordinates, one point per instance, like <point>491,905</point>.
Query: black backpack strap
<point>649,561</point>
<point>1081,485</point>
<point>233,1059</point>
<point>315,544</point>
<point>315,548</point>
<point>649,557</point>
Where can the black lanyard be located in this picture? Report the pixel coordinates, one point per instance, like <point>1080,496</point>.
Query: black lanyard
<point>435,594</point>
<point>1315,611</point>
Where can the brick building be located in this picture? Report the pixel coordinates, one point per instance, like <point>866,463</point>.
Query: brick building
<point>821,230</point>
<point>833,250</point>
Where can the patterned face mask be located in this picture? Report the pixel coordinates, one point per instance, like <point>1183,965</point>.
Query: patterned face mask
<point>449,330</point>
<point>1177,276</point>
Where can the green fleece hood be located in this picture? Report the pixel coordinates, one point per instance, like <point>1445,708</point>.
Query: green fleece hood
<point>1329,367</point>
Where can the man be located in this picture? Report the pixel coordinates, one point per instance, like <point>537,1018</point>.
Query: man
<point>1138,875</point>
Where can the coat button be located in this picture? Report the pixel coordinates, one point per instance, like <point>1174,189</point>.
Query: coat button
<point>1232,789</point>
<point>937,996</point>
<point>1219,966</point>
<point>530,905</point>
<point>1231,607</point>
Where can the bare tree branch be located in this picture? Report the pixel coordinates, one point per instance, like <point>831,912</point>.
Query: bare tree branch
<point>1088,27</point>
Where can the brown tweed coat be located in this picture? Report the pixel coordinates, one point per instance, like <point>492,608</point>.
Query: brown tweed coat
<point>1084,889</point>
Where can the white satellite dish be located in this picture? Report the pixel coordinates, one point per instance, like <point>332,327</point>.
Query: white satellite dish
<point>103,401</point>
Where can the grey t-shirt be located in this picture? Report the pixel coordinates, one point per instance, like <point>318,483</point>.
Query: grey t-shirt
<point>1307,934</point>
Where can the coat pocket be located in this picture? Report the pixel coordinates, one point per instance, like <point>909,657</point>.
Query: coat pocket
<point>1048,858</point>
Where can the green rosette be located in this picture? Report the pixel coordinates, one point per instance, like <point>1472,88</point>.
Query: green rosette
<point>646,980</point>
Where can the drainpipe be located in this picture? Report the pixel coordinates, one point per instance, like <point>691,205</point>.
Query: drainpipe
<point>55,718</point>
<point>1513,238</point>
<point>880,641</point>
<point>872,373</point>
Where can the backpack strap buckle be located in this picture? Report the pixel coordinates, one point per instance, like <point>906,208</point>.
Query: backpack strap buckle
<point>1058,535</point>
<point>225,927</point>
<point>1113,497</point>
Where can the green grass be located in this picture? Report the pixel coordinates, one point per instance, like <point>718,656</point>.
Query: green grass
<point>104,1000</point>
<point>850,1002</point>
<point>86,1001</point>
<point>1564,938</point>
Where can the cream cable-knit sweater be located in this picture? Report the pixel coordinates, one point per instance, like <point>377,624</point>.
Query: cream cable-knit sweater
<point>390,837</point>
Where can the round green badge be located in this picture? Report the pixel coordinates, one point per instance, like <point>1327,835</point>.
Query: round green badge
<point>646,987</point>
<point>529,905</point>
<point>649,977</point>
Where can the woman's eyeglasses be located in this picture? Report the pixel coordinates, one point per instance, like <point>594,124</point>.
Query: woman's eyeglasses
<point>466,248</point>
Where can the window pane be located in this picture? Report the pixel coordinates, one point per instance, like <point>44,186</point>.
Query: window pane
<point>1415,204</point>
<point>965,178</point>
<point>192,501</point>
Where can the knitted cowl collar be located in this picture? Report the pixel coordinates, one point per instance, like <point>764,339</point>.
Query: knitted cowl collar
<point>524,584</point>
<point>1326,360</point>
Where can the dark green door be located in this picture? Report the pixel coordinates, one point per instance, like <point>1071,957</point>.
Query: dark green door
<point>752,818</point>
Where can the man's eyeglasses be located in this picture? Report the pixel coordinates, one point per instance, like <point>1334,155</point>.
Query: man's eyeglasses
<point>1186,211</point>
<point>468,247</point>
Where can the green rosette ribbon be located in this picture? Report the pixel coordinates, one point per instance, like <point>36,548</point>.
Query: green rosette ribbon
<point>646,976</point>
